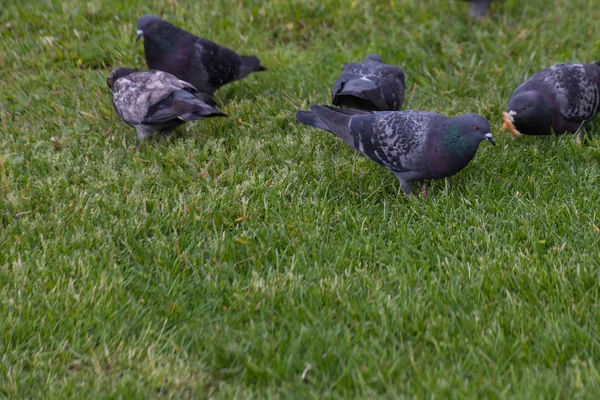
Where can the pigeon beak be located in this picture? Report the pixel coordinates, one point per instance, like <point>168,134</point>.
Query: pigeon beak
<point>512,112</point>
<point>140,33</point>
<point>490,138</point>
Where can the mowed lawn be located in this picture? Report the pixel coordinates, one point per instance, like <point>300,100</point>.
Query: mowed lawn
<point>252,257</point>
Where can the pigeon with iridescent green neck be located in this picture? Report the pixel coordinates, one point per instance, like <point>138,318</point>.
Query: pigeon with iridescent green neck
<point>414,145</point>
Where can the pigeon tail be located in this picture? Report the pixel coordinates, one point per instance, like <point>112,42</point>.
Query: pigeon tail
<point>207,98</point>
<point>191,107</point>
<point>361,94</point>
<point>250,64</point>
<point>308,118</point>
<point>338,121</point>
<point>201,112</point>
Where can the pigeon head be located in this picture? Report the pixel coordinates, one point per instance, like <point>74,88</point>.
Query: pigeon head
<point>149,25</point>
<point>118,73</point>
<point>372,57</point>
<point>532,112</point>
<point>469,130</point>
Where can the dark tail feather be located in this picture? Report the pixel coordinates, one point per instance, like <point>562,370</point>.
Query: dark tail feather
<point>308,118</point>
<point>360,94</point>
<point>206,98</point>
<point>200,111</point>
<point>250,64</point>
<point>337,120</point>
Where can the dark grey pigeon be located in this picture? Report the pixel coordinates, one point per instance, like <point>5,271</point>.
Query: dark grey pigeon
<point>414,145</point>
<point>561,98</point>
<point>479,8</point>
<point>204,64</point>
<point>155,102</point>
<point>370,85</point>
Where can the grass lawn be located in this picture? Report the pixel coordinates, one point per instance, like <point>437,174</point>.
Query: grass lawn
<point>252,257</point>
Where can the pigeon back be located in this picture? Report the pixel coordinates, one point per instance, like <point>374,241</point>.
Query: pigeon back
<point>575,87</point>
<point>370,86</point>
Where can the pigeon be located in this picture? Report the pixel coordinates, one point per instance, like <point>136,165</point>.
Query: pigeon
<point>560,98</point>
<point>370,85</point>
<point>414,145</point>
<point>479,8</point>
<point>204,64</point>
<point>156,102</point>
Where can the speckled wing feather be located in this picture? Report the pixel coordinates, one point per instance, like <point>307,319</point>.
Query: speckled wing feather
<point>576,87</point>
<point>350,71</point>
<point>221,64</point>
<point>392,84</point>
<point>135,94</point>
<point>155,97</point>
<point>395,139</point>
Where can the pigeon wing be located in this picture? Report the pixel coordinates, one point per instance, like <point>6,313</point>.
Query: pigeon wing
<point>134,94</point>
<point>182,105</point>
<point>575,87</point>
<point>393,139</point>
<point>392,84</point>
<point>221,64</point>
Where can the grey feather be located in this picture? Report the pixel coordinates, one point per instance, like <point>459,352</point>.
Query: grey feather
<point>414,145</point>
<point>199,61</point>
<point>370,85</point>
<point>157,102</point>
<point>561,97</point>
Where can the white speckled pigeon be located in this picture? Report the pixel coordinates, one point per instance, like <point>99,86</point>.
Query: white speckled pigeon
<point>561,98</point>
<point>414,145</point>
<point>155,102</point>
<point>204,64</point>
<point>370,85</point>
<point>479,8</point>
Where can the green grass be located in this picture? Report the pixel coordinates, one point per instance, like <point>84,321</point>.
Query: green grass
<point>245,251</point>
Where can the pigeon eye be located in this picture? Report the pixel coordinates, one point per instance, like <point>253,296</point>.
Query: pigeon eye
<point>150,23</point>
<point>477,128</point>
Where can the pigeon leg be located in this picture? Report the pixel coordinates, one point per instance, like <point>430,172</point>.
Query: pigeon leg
<point>405,185</point>
<point>142,135</point>
<point>423,188</point>
<point>448,182</point>
<point>166,134</point>
<point>580,136</point>
<point>164,137</point>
